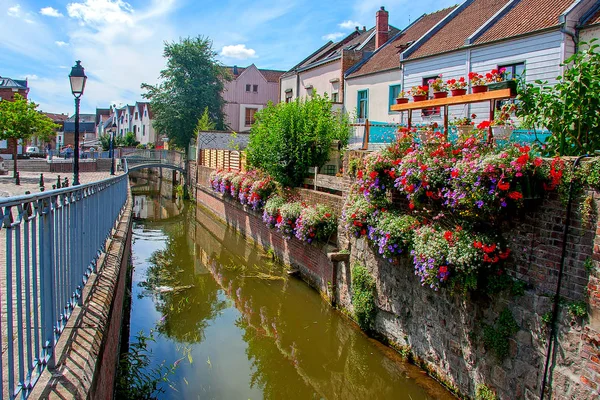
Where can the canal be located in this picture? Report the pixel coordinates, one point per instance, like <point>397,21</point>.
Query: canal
<point>237,326</point>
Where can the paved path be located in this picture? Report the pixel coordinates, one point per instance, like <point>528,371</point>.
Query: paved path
<point>30,181</point>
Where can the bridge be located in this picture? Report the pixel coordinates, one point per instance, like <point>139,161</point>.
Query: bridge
<point>171,159</point>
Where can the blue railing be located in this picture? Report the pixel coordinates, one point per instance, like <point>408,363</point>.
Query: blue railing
<point>51,242</point>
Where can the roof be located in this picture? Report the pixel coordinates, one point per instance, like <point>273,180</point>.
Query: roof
<point>100,112</point>
<point>526,16</point>
<point>357,40</point>
<point>56,117</point>
<point>271,75</point>
<point>594,19</point>
<point>453,34</point>
<point>83,118</point>
<point>386,57</point>
<point>9,83</point>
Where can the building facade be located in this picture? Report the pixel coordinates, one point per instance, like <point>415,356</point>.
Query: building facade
<point>8,88</point>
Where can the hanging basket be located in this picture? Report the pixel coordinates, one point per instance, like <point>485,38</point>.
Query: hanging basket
<point>458,92</point>
<point>464,130</point>
<point>501,132</point>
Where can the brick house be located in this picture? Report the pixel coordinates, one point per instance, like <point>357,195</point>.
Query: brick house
<point>87,130</point>
<point>323,71</point>
<point>8,88</point>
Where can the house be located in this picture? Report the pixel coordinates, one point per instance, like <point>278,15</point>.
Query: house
<point>323,71</point>
<point>373,84</point>
<point>145,131</point>
<point>87,131</point>
<point>589,27</point>
<point>58,119</point>
<point>8,88</point>
<point>530,38</point>
<point>102,115</point>
<point>249,90</point>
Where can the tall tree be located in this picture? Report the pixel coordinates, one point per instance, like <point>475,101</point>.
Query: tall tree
<point>20,120</point>
<point>191,82</point>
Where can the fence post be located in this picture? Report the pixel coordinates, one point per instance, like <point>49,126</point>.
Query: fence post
<point>365,145</point>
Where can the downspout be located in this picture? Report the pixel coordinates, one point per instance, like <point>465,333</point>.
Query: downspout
<point>555,305</point>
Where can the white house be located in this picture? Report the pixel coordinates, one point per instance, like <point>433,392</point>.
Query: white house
<point>589,27</point>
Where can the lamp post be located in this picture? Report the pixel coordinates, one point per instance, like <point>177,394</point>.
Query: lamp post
<point>113,132</point>
<point>77,78</point>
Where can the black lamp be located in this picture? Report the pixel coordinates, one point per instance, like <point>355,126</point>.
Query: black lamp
<point>77,78</point>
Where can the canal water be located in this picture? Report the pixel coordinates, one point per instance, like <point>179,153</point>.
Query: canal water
<point>237,326</point>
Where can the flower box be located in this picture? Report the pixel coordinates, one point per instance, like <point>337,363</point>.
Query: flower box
<point>512,85</point>
<point>479,89</point>
<point>501,132</point>
<point>440,95</point>
<point>464,130</point>
<point>417,98</point>
<point>458,92</point>
<point>401,100</point>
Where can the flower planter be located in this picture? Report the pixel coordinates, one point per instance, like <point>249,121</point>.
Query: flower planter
<point>501,132</point>
<point>401,100</point>
<point>458,92</point>
<point>512,85</point>
<point>440,95</point>
<point>464,130</point>
<point>531,188</point>
<point>419,98</point>
<point>479,89</point>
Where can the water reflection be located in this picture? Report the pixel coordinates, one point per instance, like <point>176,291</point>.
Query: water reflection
<point>253,332</point>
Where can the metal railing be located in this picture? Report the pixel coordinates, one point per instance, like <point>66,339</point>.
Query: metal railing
<point>50,242</point>
<point>169,157</point>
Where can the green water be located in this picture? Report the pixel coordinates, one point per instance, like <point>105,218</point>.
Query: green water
<point>241,328</point>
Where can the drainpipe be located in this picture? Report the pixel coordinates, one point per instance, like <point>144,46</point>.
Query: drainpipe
<point>555,306</point>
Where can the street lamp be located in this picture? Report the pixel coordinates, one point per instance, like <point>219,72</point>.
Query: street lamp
<point>113,132</point>
<point>77,78</point>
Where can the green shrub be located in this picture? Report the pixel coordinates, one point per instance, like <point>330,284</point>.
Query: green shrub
<point>288,138</point>
<point>495,337</point>
<point>482,392</point>
<point>363,297</point>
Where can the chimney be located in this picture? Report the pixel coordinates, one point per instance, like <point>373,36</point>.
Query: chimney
<point>382,27</point>
<point>235,70</point>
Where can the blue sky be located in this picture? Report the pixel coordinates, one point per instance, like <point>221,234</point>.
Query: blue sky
<point>120,43</point>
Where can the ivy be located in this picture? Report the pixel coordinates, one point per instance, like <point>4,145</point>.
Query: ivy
<point>495,337</point>
<point>577,309</point>
<point>363,297</point>
<point>482,392</point>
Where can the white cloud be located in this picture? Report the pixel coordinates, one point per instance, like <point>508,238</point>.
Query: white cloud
<point>14,11</point>
<point>238,51</point>
<point>349,24</point>
<point>32,77</point>
<point>99,12</point>
<point>50,12</point>
<point>332,36</point>
<point>60,43</point>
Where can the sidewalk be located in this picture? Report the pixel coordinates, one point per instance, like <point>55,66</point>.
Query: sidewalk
<point>30,181</point>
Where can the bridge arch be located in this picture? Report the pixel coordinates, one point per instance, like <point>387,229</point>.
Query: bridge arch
<point>135,167</point>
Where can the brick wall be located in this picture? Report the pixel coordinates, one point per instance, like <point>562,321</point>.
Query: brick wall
<point>88,166</point>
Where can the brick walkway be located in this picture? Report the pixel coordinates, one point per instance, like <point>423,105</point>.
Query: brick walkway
<point>30,181</point>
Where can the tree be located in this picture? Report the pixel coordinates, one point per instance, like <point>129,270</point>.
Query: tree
<point>191,82</point>
<point>20,120</point>
<point>204,123</point>
<point>568,109</point>
<point>288,138</point>
<point>129,140</point>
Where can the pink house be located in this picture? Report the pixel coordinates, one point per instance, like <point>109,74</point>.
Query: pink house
<point>249,91</point>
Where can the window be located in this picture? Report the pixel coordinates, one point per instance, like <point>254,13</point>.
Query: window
<point>145,113</point>
<point>250,116</point>
<point>136,115</point>
<point>255,88</point>
<point>362,104</point>
<point>329,170</point>
<point>513,71</point>
<point>288,96</point>
<point>335,97</point>
<point>430,112</point>
<point>248,88</point>
<point>143,130</point>
<point>394,92</point>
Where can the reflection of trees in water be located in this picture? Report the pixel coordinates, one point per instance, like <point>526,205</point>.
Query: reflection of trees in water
<point>186,301</point>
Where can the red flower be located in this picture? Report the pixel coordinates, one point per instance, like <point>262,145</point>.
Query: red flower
<point>523,159</point>
<point>373,174</point>
<point>392,174</point>
<point>448,235</point>
<point>443,269</point>
<point>454,174</point>
<point>429,193</point>
<point>353,216</point>
<point>477,245</point>
<point>483,125</point>
<point>411,205</point>
<point>279,219</point>
<point>490,248</point>
<point>423,167</point>
<point>327,215</point>
<point>504,255</point>
<point>537,161</point>
<point>359,175</point>
<point>503,185</point>
<point>515,195</point>
<point>363,232</point>
<point>524,149</point>
<point>410,188</point>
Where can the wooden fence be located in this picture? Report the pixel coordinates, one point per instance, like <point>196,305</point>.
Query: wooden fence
<point>222,159</point>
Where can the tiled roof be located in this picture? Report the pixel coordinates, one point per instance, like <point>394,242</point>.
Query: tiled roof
<point>595,19</point>
<point>270,75</point>
<point>9,83</point>
<point>387,57</point>
<point>83,118</point>
<point>56,117</point>
<point>452,36</point>
<point>525,17</point>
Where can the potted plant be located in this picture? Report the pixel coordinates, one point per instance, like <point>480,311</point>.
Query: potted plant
<point>401,99</point>
<point>478,82</point>
<point>497,80</point>
<point>440,90</point>
<point>458,87</point>
<point>419,93</point>
<point>465,125</point>
<point>503,125</point>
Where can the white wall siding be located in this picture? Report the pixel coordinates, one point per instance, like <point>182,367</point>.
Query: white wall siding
<point>590,33</point>
<point>320,78</point>
<point>289,82</point>
<point>379,92</point>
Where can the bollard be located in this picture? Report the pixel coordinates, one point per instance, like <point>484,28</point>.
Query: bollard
<point>17,178</point>
<point>27,192</point>
<point>53,187</point>
<point>66,183</point>
<point>58,185</point>
<point>42,181</point>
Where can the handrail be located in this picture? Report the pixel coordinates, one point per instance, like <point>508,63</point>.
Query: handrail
<point>51,242</point>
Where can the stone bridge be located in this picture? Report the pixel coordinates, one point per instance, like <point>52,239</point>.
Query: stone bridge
<point>171,159</point>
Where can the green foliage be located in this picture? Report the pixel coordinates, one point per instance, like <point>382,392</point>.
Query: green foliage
<point>568,109</point>
<point>547,318</point>
<point>204,123</point>
<point>589,265</point>
<point>104,141</point>
<point>588,211</point>
<point>495,337</point>
<point>482,392</point>
<point>191,83</point>
<point>288,138</point>
<point>354,165</point>
<point>129,140</point>
<point>363,297</point>
<point>497,283</point>
<point>135,378</point>
<point>577,309</point>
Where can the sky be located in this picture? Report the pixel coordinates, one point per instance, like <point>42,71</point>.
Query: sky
<point>120,44</point>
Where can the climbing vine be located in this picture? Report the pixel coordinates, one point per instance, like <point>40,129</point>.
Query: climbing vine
<point>363,297</point>
<point>495,337</point>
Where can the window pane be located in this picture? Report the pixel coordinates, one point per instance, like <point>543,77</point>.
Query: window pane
<point>519,70</point>
<point>255,88</point>
<point>247,88</point>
